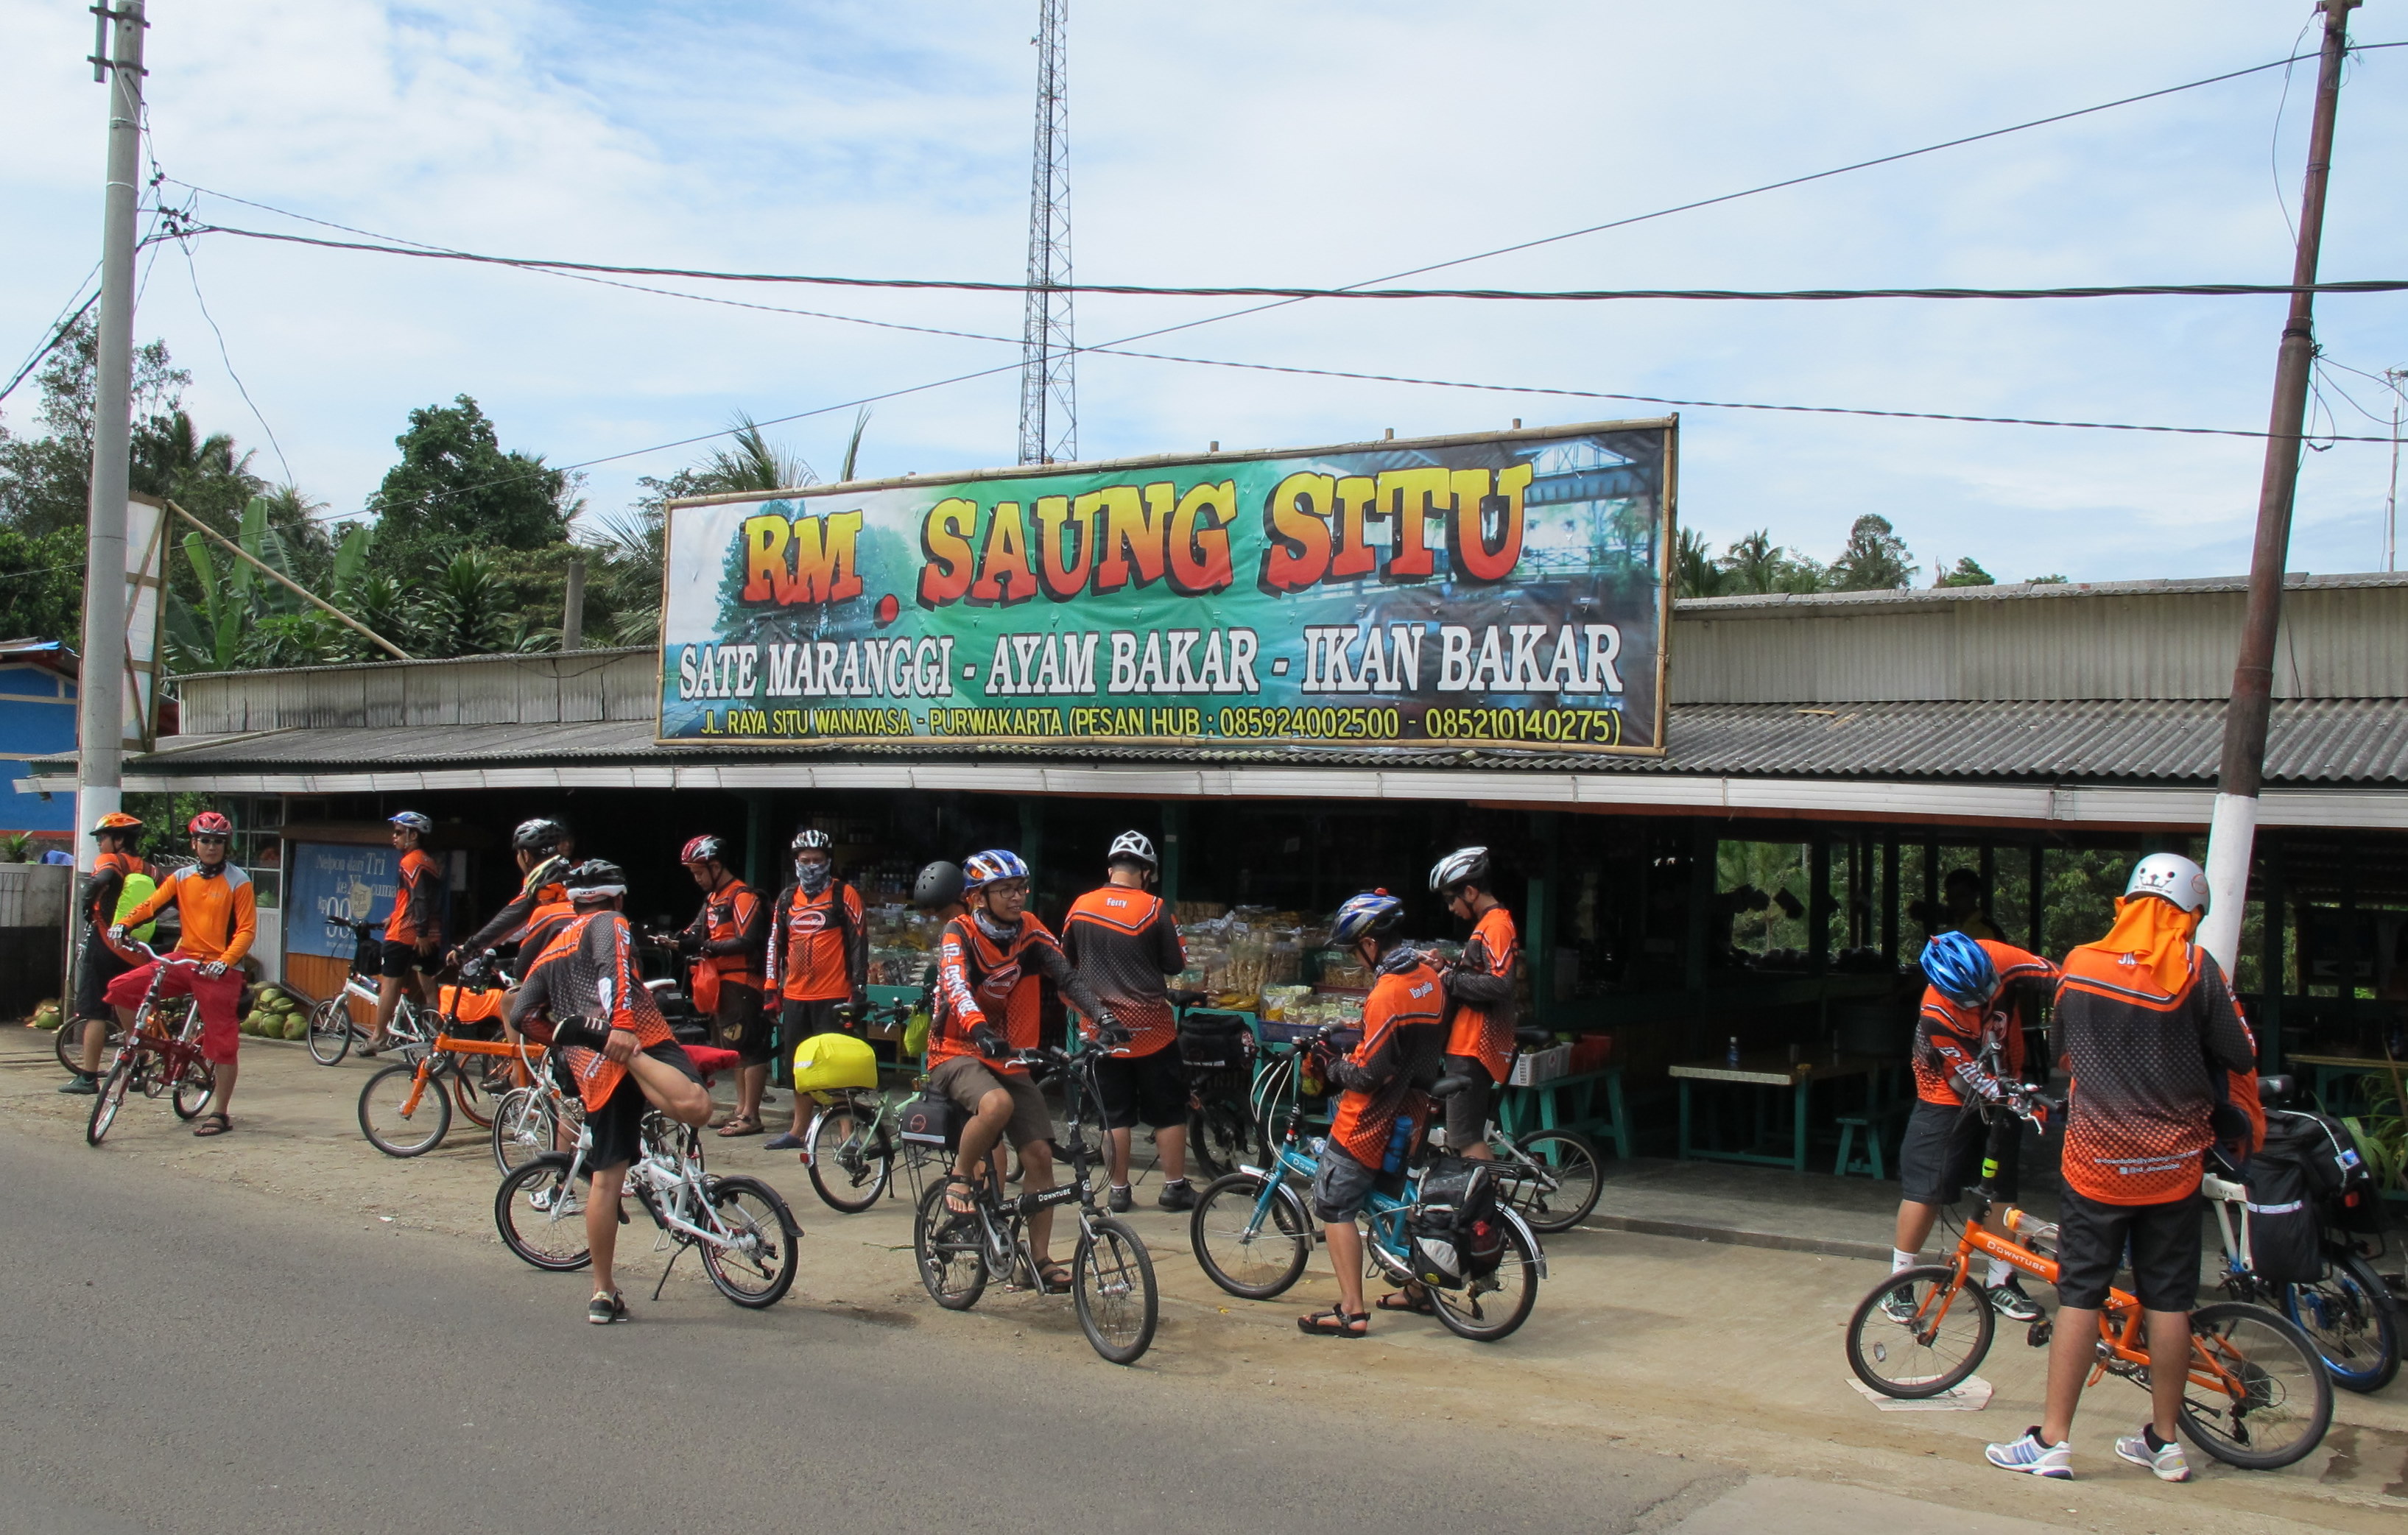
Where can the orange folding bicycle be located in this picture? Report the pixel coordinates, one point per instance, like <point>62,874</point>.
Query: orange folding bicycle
<point>2256,1396</point>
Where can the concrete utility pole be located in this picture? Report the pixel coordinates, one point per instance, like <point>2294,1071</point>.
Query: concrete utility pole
<point>2235,827</point>
<point>572,606</point>
<point>100,706</point>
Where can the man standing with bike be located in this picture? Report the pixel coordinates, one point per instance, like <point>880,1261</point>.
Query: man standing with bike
<point>414,929</point>
<point>1124,943</point>
<point>609,1039</point>
<point>1480,996</point>
<point>219,912</point>
<point>98,964</point>
<point>1967,1022</point>
<point>544,850</point>
<point>1380,1105</point>
<point>819,962</point>
<point>727,942</point>
<point>989,995</point>
<point>2152,1038</point>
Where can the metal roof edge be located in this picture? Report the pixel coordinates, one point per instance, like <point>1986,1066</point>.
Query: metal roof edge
<point>1774,602</point>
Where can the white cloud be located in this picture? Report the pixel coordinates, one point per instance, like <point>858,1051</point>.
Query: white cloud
<point>1255,141</point>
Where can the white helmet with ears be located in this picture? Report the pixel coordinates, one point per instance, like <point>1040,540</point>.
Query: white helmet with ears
<point>2171,876</point>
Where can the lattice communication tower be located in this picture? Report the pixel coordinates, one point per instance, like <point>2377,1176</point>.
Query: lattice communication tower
<point>1048,412</point>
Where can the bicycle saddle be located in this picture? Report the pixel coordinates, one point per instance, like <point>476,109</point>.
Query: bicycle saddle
<point>2275,1089</point>
<point>1448,1086</point>
<point>1533,1039</point>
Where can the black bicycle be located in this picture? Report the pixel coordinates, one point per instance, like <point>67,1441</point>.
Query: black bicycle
<point>1112,1274</point>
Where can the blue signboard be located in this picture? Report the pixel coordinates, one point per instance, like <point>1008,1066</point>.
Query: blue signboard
<point>349,882</point>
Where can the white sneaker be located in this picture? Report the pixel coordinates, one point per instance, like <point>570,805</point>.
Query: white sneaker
<point>2032,1458</point>
<point>2010,1301</point>
<point>2165,1461</point>
<point>1899,1305</point>
<point>544,1199</point>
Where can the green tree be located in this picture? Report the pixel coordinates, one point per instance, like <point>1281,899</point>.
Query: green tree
<point>1965,572</point>
<point>1756,565</point>
<point>41,585</point>
<point>46,481</point>
<point>469,610</point>
<point>1875,559</point>
<point>455,489</point>
<point>1694,574</point>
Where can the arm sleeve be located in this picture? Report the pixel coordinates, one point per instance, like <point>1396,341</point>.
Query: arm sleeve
<point>2230,1043</point>
<point>1056,967</point>
<point>1381,1061</point>
<point>100,895</point>
<point>1174,958</point>
<point>532,996</point>
<point>751,928</point>
<point>1070,925</point>
<point>1477,980</point>
<point>619,963</point>
<point>157,902</point>
<point>510,919</point>
<point>960,1011</point>
<point>856,941</point>
<point>245,923</point>
<point>698,929</point>
<point>421,901</point>
<point>774,963</point>
<point>1957,1055</point>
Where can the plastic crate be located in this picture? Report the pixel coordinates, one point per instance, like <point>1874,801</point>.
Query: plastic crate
<point>1531,1068</point>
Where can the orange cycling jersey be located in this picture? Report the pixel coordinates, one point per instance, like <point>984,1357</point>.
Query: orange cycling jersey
<point>413,900</point>
<point>982,977</point>
<point>1380,1108</point>
<point>1483,1028</point>
<point>1949,1038</point>
<point>588,971</point>
<point>1123,942</point>
<point>219,907</point>
<point>817,951</point>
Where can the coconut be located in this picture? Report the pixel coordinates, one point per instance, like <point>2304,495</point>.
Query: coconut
<point>295,1026</point>
<point>269,996</point>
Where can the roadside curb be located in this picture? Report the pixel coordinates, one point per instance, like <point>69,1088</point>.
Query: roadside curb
<point>1737,1236</point>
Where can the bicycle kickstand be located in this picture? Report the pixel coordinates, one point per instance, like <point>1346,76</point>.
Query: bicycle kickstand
<point>676,1254</point>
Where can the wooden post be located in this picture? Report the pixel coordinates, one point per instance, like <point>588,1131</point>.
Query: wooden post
<point>2270,964</point>
<point>1705,851</point>
<point>1174,842</point>
<point>1818,910</point>
<point>1890,903</point>
<point>2036,907</point>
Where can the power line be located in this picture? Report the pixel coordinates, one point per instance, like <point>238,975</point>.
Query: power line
<point>1560,296</point>
<point>192,267</point>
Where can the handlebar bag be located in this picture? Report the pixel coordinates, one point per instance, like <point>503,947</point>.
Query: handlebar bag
<point>1455,1233</point>
<point>2283,1245</point>
<point>930,1119</point>
<point>826,1062</point>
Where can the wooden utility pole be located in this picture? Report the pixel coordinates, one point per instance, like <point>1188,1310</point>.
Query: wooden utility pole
<point>2235,826</point>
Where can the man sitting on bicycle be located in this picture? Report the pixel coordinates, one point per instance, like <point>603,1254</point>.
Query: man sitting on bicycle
<point>544,851</point>
<point>1480,996</point>
<point>414,930</point>
<point>727,941</point>
<point>609,1039</point>
<point>989,965</point>
<point>2152,1038</point>
<point>1126,943</point>
<point>98,964</point>
<point>1967,1020</point>
<point>1380,1107</point>
<point>220,916</point>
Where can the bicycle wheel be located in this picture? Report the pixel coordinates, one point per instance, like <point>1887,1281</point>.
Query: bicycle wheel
<point>330,1031</point>
<point>1252,1259</point>
<point>468,1091</point>
<point>1488,1310</point>
<point>194,1085</point>
<point>757,1269</point>
<point>2350,1317</point>
<point>1572,1163</point>
<point>2256,1395</point>
<point>522,1130</point>
<point>393,1122</point>
<point>851,1161</point>
<point>950,1250</point>
<point>1220,1136</point>
<point>68,1043</point>
<point>1948,1341</point>
<point>1111,1288</point>
<point>111,1098</point>
<point>539,1217</point>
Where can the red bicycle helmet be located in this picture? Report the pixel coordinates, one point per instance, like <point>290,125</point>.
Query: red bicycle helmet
<point>702,850</point>
<point>208,823</point>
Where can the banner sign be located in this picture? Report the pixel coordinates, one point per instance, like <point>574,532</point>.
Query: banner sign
<point>341,881</point>
<point>1498,590</point>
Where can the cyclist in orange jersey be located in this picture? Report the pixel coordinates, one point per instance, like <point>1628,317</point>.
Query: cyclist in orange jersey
<point>98,963</point>
<point>1480,996</point>
<point>1125,943</point>
<point>415,927</point>
<point>219,912</point>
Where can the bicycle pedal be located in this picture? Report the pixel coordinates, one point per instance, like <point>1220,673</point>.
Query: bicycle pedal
<point>2038,1333</point>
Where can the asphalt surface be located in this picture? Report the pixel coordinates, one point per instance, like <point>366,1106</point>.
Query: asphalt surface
<point>196,1358</point>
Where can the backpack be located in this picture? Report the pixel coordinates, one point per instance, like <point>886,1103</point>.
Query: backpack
<point>2283,1243</point>
<point>1455,1233</point>
<point>2339,1181</point>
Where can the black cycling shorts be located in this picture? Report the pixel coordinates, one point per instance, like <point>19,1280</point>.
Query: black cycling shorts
<point>797,1022</point>
<point>1149,1088</point>
<point>2164,1241</point>
<point>1942,1156</point>
<point>618,1125</point>
<point>98,966</point>
<point>399,961</point>
<point>739,1024</point>
<point>1467,1113</point>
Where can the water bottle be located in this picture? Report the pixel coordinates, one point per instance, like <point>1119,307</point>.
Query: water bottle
<point>1732,1056</point>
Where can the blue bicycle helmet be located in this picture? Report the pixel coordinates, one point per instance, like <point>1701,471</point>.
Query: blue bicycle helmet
<point>412,820</point>
<point>1372,913</point>
<point>981,869</point>
<point>1959,969</point>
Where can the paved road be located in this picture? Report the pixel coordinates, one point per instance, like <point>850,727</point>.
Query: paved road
<point>196,1358</point>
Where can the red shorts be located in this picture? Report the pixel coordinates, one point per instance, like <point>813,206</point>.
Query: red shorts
<point>219,997</point>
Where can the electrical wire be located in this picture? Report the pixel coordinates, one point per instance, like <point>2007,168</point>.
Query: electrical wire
<point>193,268</point>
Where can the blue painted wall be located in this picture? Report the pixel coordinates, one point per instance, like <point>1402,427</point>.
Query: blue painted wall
<point>37,718</point>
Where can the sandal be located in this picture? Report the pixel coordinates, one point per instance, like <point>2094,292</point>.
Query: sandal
<point>209,1125</point>
<point>736,1125</point>
<point>963,1204</point>
<point>1335,1322</point>
<point>1054,1278</point>
<point>1415,1302</point>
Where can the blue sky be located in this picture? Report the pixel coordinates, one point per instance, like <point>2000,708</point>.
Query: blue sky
<point>1253,141</point>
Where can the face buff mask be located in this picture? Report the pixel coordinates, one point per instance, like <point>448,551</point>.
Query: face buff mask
<point>812,875</point>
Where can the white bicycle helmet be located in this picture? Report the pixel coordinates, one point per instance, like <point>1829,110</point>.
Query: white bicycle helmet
<point>2171,876</point>
<point>1457,867</point>
<point>1132,846</point>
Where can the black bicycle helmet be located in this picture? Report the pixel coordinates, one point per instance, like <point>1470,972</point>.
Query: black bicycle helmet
<point>538,836</point>
<point>596,880</point>
<point>938,885</point>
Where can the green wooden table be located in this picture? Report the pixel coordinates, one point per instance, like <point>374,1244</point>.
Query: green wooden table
<point>1772,1070</point>
<point>1568,1103</point>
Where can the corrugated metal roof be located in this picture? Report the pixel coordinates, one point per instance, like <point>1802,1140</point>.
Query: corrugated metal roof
<point>2321,741</point>
<point>2020,591</point>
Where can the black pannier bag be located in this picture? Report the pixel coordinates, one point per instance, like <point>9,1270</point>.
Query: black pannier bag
<point>2340,1182</point>
<point>2285,1247</point>
<point>930,1119</point>
<point>1456,1233</point>
<point>1215,1042</point>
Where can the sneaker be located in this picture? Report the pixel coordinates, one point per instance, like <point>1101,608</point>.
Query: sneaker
<point>1123,1200</point>
<point>1177,1196</point>
<point>605,1309</point>
<point>543,1199</point>
<point>2032,1458</point>
<point>2010,1301</point>
<point>2166,1460</point>
<point>1899,1305</point>
<point>784,1141</point>
<point>81,1087</point>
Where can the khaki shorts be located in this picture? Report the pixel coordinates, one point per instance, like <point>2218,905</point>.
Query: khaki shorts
<point>966,1080</point>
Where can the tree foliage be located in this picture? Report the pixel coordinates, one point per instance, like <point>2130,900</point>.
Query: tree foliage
<point>1965,572</point>
<point>1874,560</point>
<point>456,489</point>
